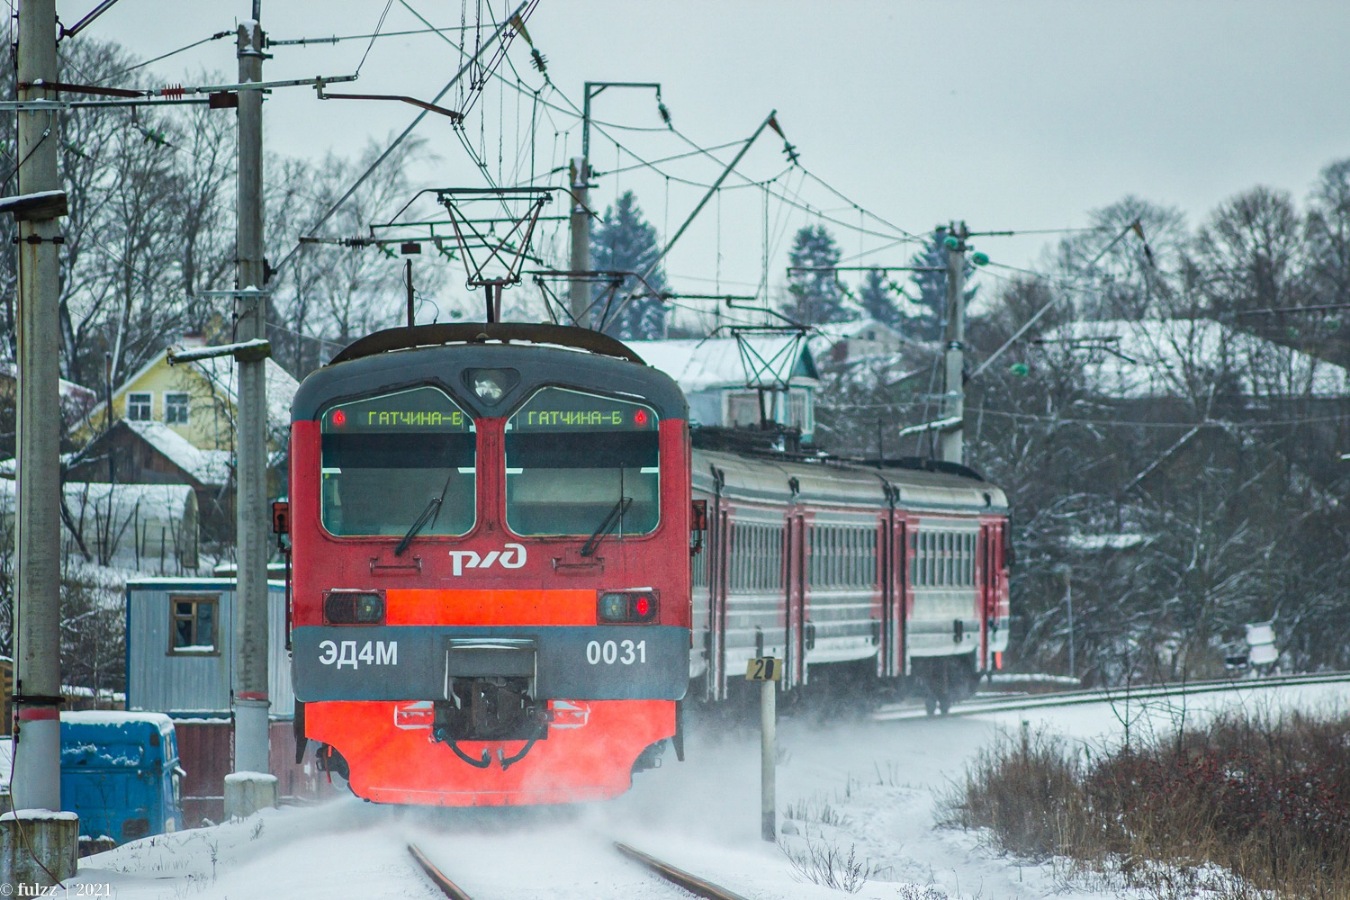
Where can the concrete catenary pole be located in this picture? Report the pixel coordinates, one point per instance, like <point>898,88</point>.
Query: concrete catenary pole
<point>251,619</point>
<point>952,442</point>
<point>580,287</point>
<point>37,632</point>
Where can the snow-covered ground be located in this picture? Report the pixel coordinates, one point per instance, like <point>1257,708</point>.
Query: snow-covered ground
<point>874,785</point>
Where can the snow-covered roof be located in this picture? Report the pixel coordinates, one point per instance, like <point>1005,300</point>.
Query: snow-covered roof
<point>207,466</point>
<point>1174,357</point>
<point>717,362</point>
<point>210,467</point>
<point>169,501</point>
<point>74,395</point>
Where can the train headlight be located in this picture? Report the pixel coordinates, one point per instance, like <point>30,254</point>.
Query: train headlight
<point>626,606</point>
<point>353,608</point>
<point>490,385</point>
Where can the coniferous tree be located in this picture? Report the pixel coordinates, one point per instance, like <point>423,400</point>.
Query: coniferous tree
<point>928,303</point>
<point>625,241</point>
<point>816,296</point>
<point>878,297</point>
<point>927,311</point>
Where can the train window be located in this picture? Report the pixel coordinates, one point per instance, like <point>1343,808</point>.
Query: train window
<point>915,570</point>
<point>846,557</point>
<point>969,574</point>
<point>756,558</point>
<point>575,460</point>
<point>945,538</point>
<point>941,559</point>
<point>387,460</point>
<point>925,559</point>
<point>930,560</point>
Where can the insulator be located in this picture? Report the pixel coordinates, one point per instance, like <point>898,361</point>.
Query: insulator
<point>173,92</point>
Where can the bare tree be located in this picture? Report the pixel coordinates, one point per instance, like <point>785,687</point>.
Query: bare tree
<point>1252,252</point>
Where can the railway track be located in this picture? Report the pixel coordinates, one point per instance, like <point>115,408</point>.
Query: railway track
<point>894,711</point>
<point>695,885</point>
<point>438,878</point>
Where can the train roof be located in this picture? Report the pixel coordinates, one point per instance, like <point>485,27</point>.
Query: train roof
<point>835,483</point>
<point>440,354</point>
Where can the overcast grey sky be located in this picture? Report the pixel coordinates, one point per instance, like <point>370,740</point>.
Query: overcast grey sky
<point>1010,115</point>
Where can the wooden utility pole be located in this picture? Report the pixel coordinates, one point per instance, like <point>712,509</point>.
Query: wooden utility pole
<point>250,700</point>
<point>952,442</point>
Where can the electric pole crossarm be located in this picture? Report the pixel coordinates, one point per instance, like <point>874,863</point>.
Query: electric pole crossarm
<point>941,425</point>
<point>255,350</point>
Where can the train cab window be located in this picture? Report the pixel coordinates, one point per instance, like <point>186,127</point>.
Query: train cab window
<point>389,460</point>
<point>576,462</point>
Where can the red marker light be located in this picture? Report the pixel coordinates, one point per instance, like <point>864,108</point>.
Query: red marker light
<point>626,607</point>
<point>640,418</point>
<point>339,418</point>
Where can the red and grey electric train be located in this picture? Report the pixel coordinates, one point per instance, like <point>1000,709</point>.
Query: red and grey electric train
<point>493,599</point>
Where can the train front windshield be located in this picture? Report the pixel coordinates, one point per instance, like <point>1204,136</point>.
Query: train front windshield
<point>389,460</point>
<point>577,462</point>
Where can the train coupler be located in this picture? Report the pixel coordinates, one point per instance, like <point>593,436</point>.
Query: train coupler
<point>489,709</point>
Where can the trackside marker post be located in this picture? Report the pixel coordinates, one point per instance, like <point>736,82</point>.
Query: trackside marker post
<point>767,670</point>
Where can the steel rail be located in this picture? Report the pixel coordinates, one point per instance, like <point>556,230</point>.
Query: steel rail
<point>691,883</point>
<point>446,886</point>
<point>892,712</point>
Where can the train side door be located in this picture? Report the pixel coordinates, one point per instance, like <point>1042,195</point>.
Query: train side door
<point>988,580</point>
<point>893,597</point>
<point>719,546</point>
<point>794,584</point>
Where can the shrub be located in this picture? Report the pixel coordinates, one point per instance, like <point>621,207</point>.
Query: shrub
<point>1264,797</point>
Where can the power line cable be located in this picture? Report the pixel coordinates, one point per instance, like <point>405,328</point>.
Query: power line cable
<point>378,26</point>
<point>215,37</point>
<point>304,42</point>
<point>520,11</point>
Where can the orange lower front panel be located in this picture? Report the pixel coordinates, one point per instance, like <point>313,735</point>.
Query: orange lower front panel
<point>588,754</point>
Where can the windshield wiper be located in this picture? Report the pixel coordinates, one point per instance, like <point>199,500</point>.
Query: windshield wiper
<point>615,517</point>
<point>427,517</point>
